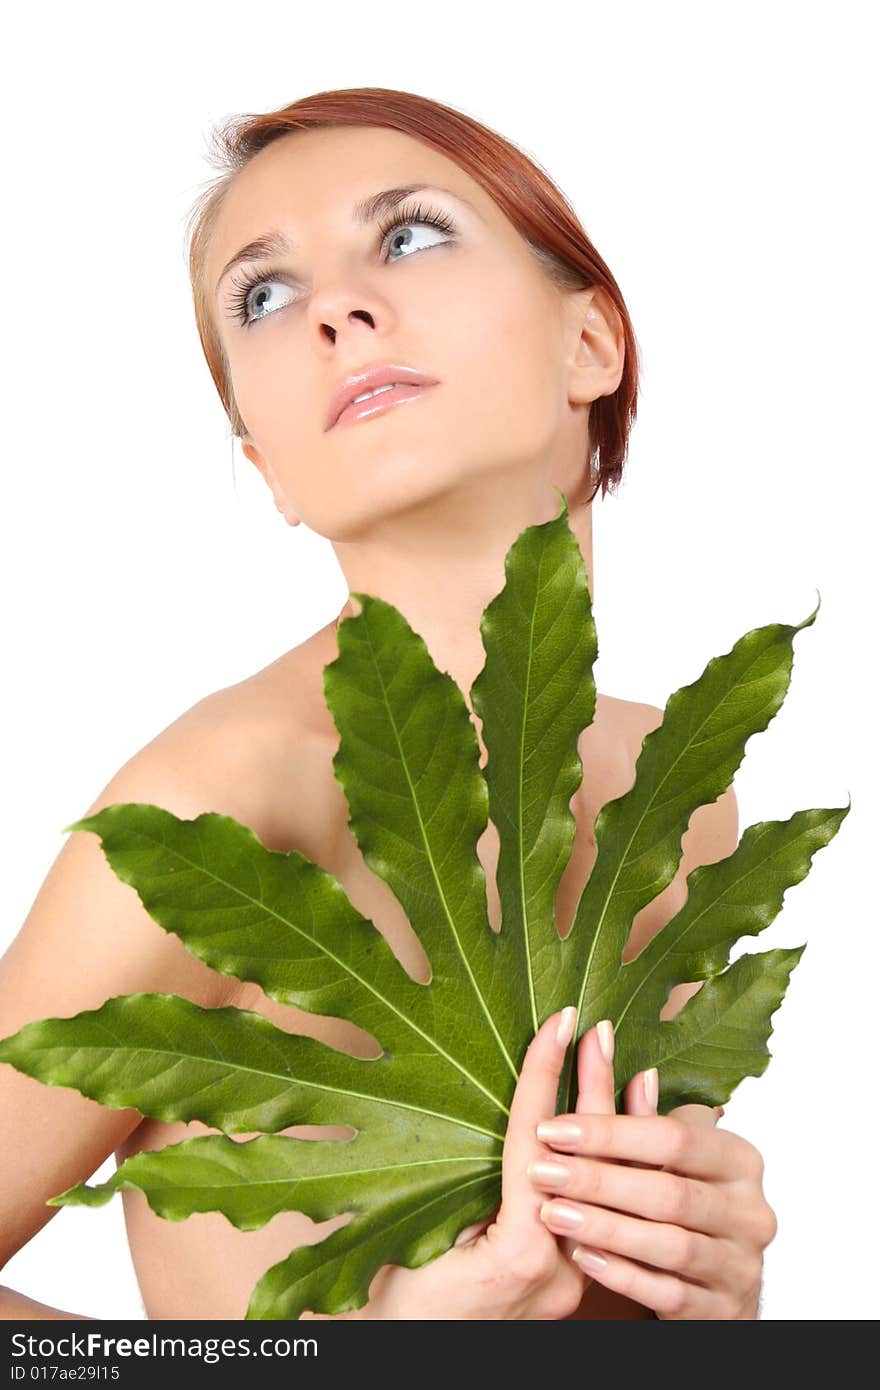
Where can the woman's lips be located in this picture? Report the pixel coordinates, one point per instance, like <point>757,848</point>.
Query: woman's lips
<point>375,405</point>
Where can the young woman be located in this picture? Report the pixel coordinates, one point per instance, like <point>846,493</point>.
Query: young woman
<point>358,241</point>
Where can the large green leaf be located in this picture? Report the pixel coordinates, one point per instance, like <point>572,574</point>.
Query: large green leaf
<point>282,921</point>
<point>736,896</point>
<point>408,762</point>
<point>688,761</point>
<point>231,1068</point>
<point>535,695</point>
<point>429,1110</point>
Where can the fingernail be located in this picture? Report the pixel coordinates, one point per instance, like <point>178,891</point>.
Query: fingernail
<point>565,1031</point>
<point>554,1173</point>
<point>652,1086</point>
<point>589,1258</point>
<point>561,1215</point>
<point>559,1131</point>
<point>605,1029</point>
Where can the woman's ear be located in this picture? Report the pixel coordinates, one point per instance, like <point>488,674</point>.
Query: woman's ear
<point>250,451</point>
<point>599,347</point>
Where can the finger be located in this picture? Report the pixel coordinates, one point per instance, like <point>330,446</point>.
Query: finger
<point>596,1070</point>
<point>534,1099</point>
<point>658,1243</point>
<point>669,1295</point>
<point>640,1097</point>
<point>471,1232</point>
<point>642,1093</point>
<point>700,1151</point>
<point>595,1187</point>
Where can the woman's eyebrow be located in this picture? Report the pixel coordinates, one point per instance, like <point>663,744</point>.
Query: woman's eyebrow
<point>275,243</point>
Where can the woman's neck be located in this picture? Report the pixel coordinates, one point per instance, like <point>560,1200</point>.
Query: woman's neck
<point>442,565</point>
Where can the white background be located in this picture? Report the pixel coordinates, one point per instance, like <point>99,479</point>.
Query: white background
<point>720,158</point>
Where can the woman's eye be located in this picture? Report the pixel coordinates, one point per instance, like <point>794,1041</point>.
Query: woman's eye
<point>401,235</point>
<point>254,299</point>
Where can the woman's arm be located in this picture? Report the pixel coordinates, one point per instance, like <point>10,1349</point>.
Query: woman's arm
<point>16,1307</point>
<point>86,939</point>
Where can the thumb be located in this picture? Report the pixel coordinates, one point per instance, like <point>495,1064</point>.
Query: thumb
<point>476,1229</point>
<point>534,1100</point>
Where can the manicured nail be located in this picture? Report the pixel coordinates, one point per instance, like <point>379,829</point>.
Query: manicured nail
<point>554,1174</point>
<point>652,1086</point>
<point>561,1215</point>
<point>605,1029</point>
<point>590,1259</point>
<point>559,1131</point>
<point>565,1031</point>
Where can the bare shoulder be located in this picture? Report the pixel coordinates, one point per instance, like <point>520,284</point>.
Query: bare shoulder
<point>617,731</point>
<point>257,750</point>
<point>636,720</point>
<point>242,717</point>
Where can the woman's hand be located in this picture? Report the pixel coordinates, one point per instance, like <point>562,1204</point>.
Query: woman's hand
<point>674,1209</point>
<point>510,1265</point>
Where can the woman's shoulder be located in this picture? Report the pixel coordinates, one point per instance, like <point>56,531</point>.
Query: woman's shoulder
<point>262,748</point>
<point>613,740</point>
<point>257,750</point>
<point>278,717</point>
<point>633,717</point>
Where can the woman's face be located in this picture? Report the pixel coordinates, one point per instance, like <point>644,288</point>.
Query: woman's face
<point>468,307</point>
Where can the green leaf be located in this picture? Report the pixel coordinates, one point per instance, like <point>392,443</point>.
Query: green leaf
<point>535,695</point>
<point>408,762</point>
<point>280,920</point>
<point>685,763</point>
<point>176,1061</point>
<point>251,1181</point>
<point>408,1211</point>
<point>734,897</point>
<point>716,1039</point>
<point>429,1111</point>
<point>337,1272</point>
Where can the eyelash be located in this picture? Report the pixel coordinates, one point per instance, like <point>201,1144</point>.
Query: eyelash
<point>402,217</point>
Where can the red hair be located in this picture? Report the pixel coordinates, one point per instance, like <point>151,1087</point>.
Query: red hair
<point>519,187</point>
